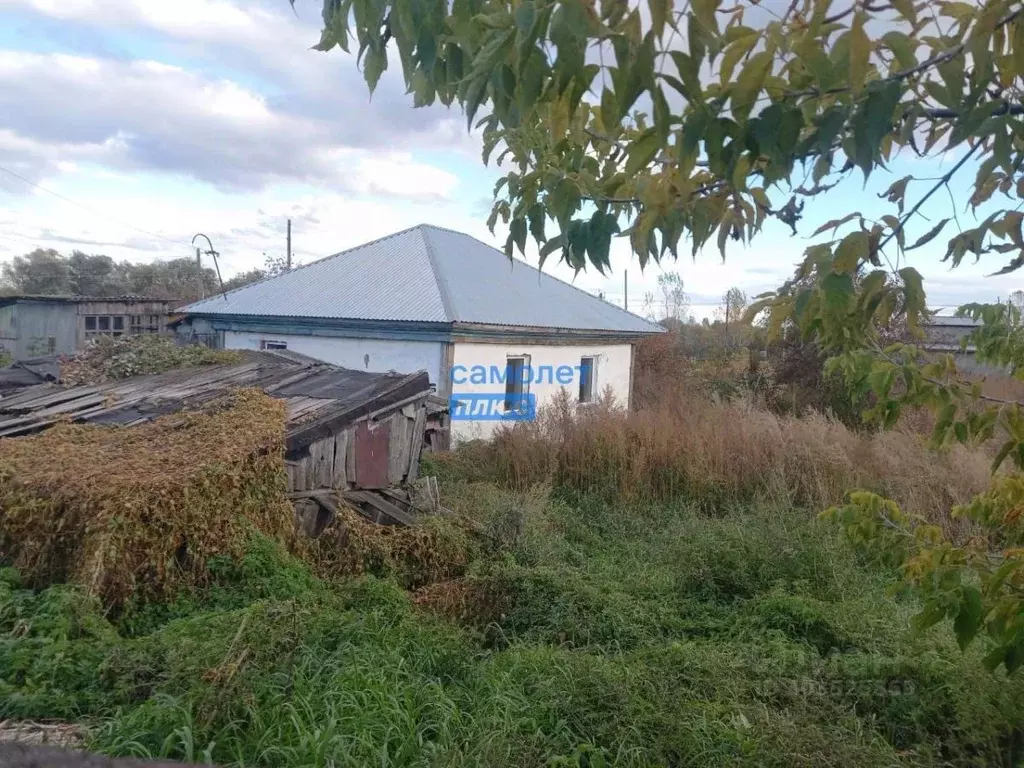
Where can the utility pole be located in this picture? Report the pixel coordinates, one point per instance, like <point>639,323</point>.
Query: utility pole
<point>199,275</point>
<point>288,261</point>
<point>213,254</point>
<point>625,288</point>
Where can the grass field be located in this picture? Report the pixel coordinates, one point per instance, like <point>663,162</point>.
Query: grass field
<point>577,626</point>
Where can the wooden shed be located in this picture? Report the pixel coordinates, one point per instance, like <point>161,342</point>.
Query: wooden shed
<point>348,431</point>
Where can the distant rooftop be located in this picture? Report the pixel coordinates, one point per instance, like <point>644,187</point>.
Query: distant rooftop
<point>426,274</point>
<point>951,321</point>
<point>15,297</point>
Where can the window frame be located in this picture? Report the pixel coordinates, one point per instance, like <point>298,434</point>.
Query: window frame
<point>591,380</point>
<point>511,395</point>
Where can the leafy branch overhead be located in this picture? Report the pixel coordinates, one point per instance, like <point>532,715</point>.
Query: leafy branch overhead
<point>692,123</point>
<point>696,121</point>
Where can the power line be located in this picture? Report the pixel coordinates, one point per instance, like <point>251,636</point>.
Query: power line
<point>87,208</point>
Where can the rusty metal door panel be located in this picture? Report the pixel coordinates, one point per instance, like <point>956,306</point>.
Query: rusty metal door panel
<point>371,446</point>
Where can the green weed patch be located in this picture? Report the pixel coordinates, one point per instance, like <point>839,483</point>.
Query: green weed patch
<point>563,631</point>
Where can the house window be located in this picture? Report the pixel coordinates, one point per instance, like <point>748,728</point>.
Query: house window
<point>144,323</point>
<point>273,344</point>
<point>588,369</point>
<point>104,325</point>
<point>516,385</point>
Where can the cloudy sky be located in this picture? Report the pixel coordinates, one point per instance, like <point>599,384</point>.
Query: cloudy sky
<point>127,126</point>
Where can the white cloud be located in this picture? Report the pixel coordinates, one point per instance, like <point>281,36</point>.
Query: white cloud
<point>144,115</point>
<point>238,102</point>
<point>200,20</point>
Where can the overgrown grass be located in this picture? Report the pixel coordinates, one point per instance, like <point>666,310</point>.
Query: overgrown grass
<point>647,589</point>
<point>640,635</point>
<point>717,455</point>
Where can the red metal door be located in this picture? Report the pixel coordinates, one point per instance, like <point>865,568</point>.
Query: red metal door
<point>371,446</point>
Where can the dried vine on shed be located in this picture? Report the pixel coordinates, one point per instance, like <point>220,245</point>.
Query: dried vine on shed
<point>126,510</point>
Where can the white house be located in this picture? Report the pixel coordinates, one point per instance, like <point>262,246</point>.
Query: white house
<point>495,335</point>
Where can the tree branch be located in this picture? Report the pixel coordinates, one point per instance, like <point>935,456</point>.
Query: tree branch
<point>938,185</point>
<point>941,58</point>
<point>981,396</point>
<point>952,114</point>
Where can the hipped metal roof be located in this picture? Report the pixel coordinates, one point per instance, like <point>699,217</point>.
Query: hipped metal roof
<point>425,274</point>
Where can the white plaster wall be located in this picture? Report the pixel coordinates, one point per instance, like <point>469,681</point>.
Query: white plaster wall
<point>376,355</point>
<point>613,363</point>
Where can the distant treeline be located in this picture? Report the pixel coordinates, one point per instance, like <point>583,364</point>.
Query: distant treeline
<point>48,272</point>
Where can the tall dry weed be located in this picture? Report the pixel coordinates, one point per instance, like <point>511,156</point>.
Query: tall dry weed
<point>719,454</point>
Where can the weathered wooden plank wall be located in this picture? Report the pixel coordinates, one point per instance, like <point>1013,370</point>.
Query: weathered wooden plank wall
<point>365,455</point>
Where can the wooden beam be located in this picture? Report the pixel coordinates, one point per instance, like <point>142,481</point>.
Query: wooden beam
<point>391,512</point>
<point>325,467</point>
<point>339,479</point>
<point>416,445</point>
<point>398,448</point>
<point>632,373</point>
<point>444,382</point>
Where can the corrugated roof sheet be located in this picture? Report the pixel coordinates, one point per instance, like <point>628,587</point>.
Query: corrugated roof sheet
<point>316,394</point>
<point>951,321</point>
<point>426,274</point>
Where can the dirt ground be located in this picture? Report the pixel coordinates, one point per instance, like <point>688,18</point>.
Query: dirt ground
<point>54,745</point>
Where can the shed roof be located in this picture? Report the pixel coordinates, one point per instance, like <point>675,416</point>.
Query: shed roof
<point>430,275</point>
<point>56,299</point>
<point>320,398</point>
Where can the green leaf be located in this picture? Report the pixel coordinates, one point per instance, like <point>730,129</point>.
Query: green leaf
<point>517,236</point>
<point>689,74</point>
<point>851,252</point>
<point>525,18</point>
<point>473,97</point>
<point>536,216</point>
<point>872,122</point>
<point>734,52</point>
<point>748,85</point>
<point>968,618</point>
<point>704,13</point>
<point>374,64</point>
<point>928,236</point>
<point>662,114</point>
<point>907,9</point>
<point>724,229</point>
<point>902,48</point>
<point>609,111</point>
<point>661,11</point>
<point>838,290</point>
<point>599,234</point>
<point>913,290</point>
<point>531,82</point>
<point>554,244</point>
<point>492,53</point>
<point>930,615</point>
<point>836,223</point>
<point>1003,452</point>
<point>643,151</point>
<point>860,52</point>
